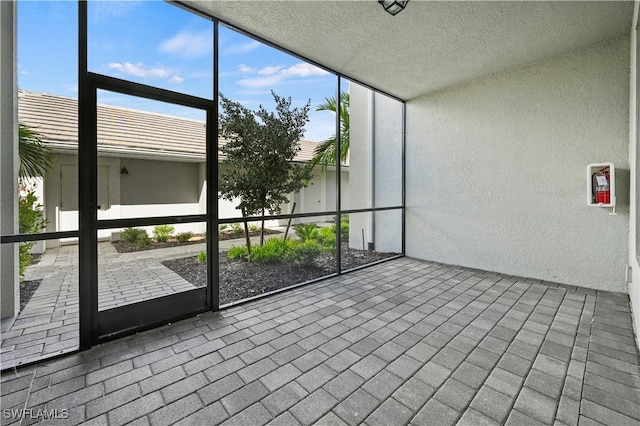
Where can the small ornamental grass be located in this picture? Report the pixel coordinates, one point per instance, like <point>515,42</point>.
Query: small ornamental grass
<point>133,235</point>
<point>162,233</point>
<point>183,237</point>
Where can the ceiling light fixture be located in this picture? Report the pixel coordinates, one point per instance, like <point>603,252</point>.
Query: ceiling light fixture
<point>393,6</point>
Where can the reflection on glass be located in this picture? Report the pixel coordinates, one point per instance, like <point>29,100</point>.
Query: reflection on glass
<point>141,263</point>
<point>46,285</point>
<point>154,43</point>
<point>149,164</point>
<point>370,237</point>
<point>304,252</point>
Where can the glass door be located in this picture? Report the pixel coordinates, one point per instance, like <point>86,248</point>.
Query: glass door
<point>151,205</point>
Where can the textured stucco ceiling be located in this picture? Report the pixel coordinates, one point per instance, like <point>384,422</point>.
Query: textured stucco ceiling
<point>431,45</point>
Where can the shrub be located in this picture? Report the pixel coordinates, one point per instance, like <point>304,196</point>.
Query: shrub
<point>272,250</point>
<point>237,252</point>
<point>162,233</point>
<point>144,241</point>
<point>132,235</point>
<point>303,253</point>
<point>307,231</point>
<point>253,227</point>
<point>183,237</point>
<point>202,257</point>
<point>344,229</point>
<point>222,227</point>
<point>327,238</point>
<point>236,228</point>
<point>31,220</point>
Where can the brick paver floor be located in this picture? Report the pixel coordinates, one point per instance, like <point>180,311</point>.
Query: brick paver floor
<point>403,342</point>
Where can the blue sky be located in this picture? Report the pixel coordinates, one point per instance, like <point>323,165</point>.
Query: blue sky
<point>158,44</point>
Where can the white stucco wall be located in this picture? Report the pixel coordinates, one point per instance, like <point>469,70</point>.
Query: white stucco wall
<point>375,168</point>
<point>9,294</point>
<point>496,170</point>
<point>634,158</point>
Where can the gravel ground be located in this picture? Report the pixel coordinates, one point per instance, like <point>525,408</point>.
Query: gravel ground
<point>240,279</point>
<point>27,288</point>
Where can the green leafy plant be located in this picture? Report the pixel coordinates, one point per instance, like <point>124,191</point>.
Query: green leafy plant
<point>303,252</point>
<point>31,220</point>
<point>162,233</point>
<point>237,252</point>
<point>183,237</point>
<point>222,227</point>
<point>325,153</point>
<point>272,250</point>
<point>253,227</point>
<point>327,238</point>
<point>236,229</point>
<point>306,231</point>
<point>143,241</point>
<point>202,257</point>
<point>132,235</point>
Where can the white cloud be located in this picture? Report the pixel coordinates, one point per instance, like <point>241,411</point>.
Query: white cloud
<point>241,48</point>
<point>139,70</point>
<point>245,69</point>
<point>304,70</point>
<point>274,75</point>
<point>270,70</point>
<point>189,44</point>
<point>176,79</point>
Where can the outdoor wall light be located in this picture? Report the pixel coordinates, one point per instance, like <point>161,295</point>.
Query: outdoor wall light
<point>393,6</point>
<point>124,171</point>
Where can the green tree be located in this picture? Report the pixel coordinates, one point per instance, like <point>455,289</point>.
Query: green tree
<point>258,156</point>
<point>35,157</point>
<point>325,152</point>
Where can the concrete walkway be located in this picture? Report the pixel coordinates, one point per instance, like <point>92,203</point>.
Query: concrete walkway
<point>403,342</point>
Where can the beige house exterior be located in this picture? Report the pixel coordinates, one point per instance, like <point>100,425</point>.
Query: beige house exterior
<point>149,164</point>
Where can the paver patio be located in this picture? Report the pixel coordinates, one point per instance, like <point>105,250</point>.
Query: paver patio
<point>402,342</point>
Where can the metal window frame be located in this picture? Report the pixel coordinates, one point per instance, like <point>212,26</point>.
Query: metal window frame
<point>87,185</point>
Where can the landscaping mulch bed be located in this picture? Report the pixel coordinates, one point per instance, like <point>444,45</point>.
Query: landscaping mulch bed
<point>27,288</point>
<point>241,279</point>
<point>126,247</point>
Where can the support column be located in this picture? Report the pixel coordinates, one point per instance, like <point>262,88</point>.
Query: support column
<point>9,283</point>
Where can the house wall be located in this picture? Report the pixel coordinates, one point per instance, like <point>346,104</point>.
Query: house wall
<point>9,290</point>
<point>634,158</point>
<point>375,168</point>
<point>496,170</point>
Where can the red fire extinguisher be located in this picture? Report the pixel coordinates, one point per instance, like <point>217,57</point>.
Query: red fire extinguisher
<point>601,188</point>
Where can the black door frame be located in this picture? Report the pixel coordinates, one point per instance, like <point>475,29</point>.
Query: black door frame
<point>97,326</point>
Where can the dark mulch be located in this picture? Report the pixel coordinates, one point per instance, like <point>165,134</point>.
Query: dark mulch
<point>241,279</point>
<point>126,247</point>
<point>27,288</point>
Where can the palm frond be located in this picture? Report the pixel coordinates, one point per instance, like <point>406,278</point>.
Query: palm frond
<point>35,157</point>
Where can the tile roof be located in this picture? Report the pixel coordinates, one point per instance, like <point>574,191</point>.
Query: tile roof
<point>121,131</point>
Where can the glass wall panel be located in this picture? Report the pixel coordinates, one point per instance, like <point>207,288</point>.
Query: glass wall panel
<point>250,74</point>
<point>48,116</point>
<point>388,151</point>
<point>149,164</point>
<point>358,142</point>
<point>46,286</point>
<point>304,253</point>
<point>370,237</point>
<point>153,43</point>
<point>141,263</point>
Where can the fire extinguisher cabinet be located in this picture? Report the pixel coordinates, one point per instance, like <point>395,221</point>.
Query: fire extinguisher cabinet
<point>601,185</point>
